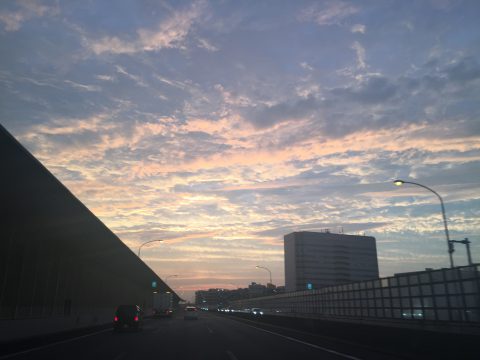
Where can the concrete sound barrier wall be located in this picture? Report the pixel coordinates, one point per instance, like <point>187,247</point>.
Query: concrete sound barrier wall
<point>60,267</point>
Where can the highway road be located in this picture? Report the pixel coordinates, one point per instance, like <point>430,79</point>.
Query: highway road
<point>210,337</point>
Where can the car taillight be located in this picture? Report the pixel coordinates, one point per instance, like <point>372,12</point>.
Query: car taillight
<point>115,318</point>
<point>135,318</point>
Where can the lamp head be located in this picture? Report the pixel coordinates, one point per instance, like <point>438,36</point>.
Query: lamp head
<point>399,182</point>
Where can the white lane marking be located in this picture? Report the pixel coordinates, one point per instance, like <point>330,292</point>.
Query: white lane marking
<point>230,355</point>
<point>346,356</point>
<point>209,330</point>
<point>52,344</point>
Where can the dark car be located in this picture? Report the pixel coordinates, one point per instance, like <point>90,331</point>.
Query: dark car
<point>163,313</point>
<point>190,313</point>
<point>128,316</point>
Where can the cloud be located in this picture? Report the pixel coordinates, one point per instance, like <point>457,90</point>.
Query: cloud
<point>232,98</point>
<point>27,10</point>
<point>444,5</point>
<point>44,82</point>
<point>369,90</point>
<point>136,79</point>
<point>256,139</point>
<point>67,126</point>
<point>114,45</point>
<point>205,44</point>
<point>170,33</point>
<point>263,116</point>
<point>335,227</point>
<point>105,77</point>
<point>360,50</point>
<point>82,86</point>
<point>399,138</point>
<point>12,20</point>
<point>276,197</point>
<point>408,25</point>
<point>178,84</point>
<point>306,66</point>
<point>463,70</point>
<point>358,28</point>
<point>328,13</point>
<point>374,101</point>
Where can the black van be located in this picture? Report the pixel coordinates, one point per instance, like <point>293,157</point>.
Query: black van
<point>128,316</point>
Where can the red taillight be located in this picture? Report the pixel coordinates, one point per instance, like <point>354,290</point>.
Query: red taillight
<point>135,318</point>
<point>115,318</point>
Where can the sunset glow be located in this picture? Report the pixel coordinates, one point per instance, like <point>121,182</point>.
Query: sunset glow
<point>219,127</point>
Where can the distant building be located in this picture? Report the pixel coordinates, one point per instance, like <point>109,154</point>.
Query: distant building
<point>256,290</point>
<point>212,298</point>
<point>318,259</point>
<point>218,298</point>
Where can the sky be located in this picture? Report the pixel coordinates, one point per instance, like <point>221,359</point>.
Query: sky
<point>221,126</point>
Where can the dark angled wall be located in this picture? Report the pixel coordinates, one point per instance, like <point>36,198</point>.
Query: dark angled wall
<point>60,266</point>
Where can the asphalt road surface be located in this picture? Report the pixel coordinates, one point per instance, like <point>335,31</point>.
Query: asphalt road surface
<point>210,337</point>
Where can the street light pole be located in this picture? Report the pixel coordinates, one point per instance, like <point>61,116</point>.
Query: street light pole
<point>145,243</point>
<point>264,268</point>
<point>449,244</point>
<point>465,242</point>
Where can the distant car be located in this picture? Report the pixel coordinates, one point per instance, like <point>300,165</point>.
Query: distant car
<point>163,313</point>
<point>256,311</point>
<point>128,317</point>
<point>190,313</point>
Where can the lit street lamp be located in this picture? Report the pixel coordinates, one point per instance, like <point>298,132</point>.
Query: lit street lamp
<point>145,243</point>
<point>449,244</point>
<point>264,268</point>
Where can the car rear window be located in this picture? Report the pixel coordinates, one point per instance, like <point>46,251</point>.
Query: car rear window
<point>127,310</point>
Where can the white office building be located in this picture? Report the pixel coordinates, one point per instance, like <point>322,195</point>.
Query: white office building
<point>317,259</point>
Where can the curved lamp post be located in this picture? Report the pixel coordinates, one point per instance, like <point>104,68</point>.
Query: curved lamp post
<point>264,268</point>
<point>145,243</point>
<point>449,245</point>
